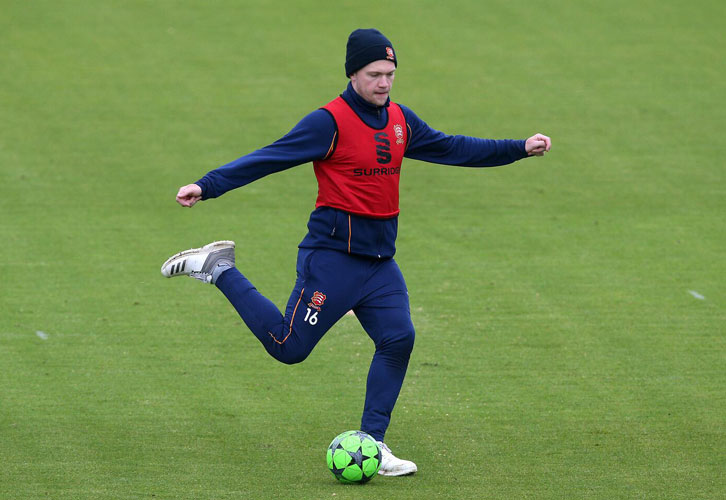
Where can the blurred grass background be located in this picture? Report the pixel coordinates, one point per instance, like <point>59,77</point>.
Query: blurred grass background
<point>560,352</point>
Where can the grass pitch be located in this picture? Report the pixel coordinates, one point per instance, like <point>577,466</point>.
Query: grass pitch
<point>570,310</point>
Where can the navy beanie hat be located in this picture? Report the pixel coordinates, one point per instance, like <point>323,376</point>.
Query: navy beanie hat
<point>364,47</point>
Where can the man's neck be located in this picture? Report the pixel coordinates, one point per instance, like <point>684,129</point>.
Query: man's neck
<point>372,115</point>
<point>356,99</point>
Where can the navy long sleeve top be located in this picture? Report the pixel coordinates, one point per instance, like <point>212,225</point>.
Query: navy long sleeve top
<point>311,139</point>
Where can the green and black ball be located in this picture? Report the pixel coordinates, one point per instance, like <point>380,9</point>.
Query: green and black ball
<point>354,457</point>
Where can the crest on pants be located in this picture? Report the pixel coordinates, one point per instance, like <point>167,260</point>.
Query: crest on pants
<point>317,300</point>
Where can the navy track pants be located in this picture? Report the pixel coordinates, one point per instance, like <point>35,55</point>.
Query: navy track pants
<point>329,284</point>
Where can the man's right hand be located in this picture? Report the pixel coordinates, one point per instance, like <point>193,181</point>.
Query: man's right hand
<point>188,195</point>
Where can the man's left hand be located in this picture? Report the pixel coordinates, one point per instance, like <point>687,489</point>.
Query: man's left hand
<point>537,145</point>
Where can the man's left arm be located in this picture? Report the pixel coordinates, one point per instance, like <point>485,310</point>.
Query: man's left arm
<point>428,144</point>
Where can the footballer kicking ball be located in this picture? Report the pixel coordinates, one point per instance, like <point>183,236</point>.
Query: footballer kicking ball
<point>354,457</point>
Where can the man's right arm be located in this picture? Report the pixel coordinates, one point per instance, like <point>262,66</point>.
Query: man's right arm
<point>309,140</point>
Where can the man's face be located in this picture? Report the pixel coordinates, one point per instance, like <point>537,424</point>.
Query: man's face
<point>373,82</point>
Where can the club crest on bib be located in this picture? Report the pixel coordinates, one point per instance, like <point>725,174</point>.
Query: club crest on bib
<point>398,130</point>
<point>317,300</point>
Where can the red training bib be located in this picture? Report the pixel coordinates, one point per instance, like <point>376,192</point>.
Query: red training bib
<point>361,176</point>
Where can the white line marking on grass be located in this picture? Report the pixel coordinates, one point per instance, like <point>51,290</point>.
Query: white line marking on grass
<point>42,335</point>
<point>697,295</point>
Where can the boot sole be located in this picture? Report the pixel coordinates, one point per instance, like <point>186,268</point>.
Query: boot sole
<point>215,245</point>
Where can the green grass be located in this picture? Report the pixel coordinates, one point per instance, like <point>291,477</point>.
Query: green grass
<point>559,353</point>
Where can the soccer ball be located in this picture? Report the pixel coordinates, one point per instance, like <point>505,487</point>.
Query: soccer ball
<point>354,457</point>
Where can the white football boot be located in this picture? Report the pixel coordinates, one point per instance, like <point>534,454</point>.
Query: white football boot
<point>392,465</point>
<point>199,263</point>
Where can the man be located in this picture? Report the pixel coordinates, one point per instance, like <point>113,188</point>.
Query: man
<point>345,262</point>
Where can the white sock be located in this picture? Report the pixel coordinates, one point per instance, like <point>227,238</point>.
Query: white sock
<point>222,266</point>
